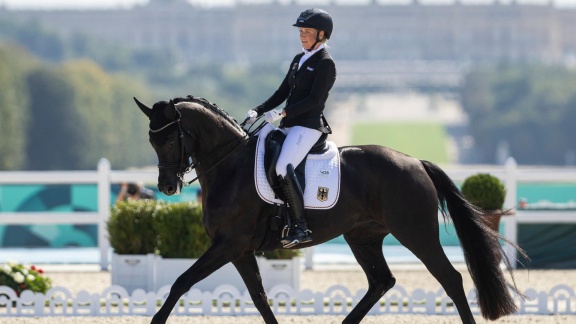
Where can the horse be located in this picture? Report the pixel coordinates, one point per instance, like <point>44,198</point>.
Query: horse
<point>383,192</point>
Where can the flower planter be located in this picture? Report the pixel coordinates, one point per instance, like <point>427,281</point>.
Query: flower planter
<point>151,272</point>
<point>280,272</point>
<point>133,271</point>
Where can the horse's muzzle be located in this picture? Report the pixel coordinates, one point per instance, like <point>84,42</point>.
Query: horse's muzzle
<point>170,189</point>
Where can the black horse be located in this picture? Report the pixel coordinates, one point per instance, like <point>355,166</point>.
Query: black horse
<point>383,192</point>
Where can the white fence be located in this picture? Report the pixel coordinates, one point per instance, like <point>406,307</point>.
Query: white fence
<point>510,174</point>
<point>227,300</point>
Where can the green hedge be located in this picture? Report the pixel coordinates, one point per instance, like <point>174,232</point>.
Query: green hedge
<point>179,229</point>
<point>131,227</point>
<point>172,230</point>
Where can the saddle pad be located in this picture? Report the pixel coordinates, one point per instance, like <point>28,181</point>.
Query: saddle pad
<point>322,176</point>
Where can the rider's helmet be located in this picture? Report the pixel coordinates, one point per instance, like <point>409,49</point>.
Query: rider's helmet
<point>315,18</point>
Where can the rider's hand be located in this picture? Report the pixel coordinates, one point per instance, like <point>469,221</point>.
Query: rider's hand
<point>250,116</point>
<point>273,115</point>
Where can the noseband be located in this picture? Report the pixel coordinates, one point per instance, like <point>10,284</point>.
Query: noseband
<point>184,166</point>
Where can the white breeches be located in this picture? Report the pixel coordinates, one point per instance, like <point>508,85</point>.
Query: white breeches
<point>299,140</point>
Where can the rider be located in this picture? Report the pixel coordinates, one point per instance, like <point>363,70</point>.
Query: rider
<point>305,89</point>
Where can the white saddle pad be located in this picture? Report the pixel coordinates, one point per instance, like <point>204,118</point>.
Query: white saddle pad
<point>322,176</point>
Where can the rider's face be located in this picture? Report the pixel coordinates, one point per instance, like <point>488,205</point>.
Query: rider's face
<point>308,37</point>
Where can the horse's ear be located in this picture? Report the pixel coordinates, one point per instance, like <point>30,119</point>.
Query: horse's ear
<point>147,111</point>
<point>170,111</point>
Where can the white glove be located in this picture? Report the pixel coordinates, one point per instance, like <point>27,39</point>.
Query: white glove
<point>273,115</point>
<point>250,116</point>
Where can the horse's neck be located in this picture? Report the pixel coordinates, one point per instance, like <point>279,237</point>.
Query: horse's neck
<point>234,166</point>
<point>216,140</point>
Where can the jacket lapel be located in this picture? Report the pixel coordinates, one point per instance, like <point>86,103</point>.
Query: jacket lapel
<point>312,59</point>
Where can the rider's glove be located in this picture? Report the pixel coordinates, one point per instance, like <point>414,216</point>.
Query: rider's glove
<point>273,115</point>
<point>251,116</point>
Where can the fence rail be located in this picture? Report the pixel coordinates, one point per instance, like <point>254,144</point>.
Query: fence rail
<point>103,177</point>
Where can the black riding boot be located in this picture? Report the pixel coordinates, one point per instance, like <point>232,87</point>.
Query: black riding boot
<point>294,198</point>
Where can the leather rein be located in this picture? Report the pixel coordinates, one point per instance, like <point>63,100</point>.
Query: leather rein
<point>186,164</point>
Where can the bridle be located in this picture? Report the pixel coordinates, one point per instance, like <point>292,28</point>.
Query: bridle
<point>186,164</point>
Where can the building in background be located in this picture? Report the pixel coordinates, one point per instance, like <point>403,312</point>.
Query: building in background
<point>370,32</point>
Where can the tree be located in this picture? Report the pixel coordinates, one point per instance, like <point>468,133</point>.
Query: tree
<point>525,106</point>
<point>14,113</point>
<point>55,136</point>
<point>81,114</point>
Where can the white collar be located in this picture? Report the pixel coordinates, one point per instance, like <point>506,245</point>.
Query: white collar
<point>310,53</point>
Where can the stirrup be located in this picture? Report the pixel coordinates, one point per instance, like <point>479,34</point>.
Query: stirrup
<point>304,237</point>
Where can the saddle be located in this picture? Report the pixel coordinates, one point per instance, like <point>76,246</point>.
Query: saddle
<point>318,174</point>
<point>273,147</point>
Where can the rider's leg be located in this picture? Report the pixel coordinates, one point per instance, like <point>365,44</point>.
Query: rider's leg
<point>294,197</point>
<point>298,142</point>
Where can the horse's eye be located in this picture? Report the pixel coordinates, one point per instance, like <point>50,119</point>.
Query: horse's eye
<point>172,143</point>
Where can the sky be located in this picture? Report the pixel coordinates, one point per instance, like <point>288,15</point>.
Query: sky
<point>100,4</point>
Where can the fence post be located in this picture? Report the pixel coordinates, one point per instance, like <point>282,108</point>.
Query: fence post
<point>510,222</point>
<point>103,210</point>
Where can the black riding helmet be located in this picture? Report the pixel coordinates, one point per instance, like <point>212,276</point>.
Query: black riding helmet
<point>315,18</point>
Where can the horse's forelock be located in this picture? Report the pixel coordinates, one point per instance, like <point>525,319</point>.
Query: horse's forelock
<point>158,118</point>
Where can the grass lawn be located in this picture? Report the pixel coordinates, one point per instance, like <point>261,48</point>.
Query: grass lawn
<point>425,141</point>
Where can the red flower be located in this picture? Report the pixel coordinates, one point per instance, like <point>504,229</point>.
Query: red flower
<point>22,286</point>
<point>40,271</point>
<point>33,268</point>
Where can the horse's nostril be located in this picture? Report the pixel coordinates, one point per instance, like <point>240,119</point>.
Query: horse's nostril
<point>170,190</point>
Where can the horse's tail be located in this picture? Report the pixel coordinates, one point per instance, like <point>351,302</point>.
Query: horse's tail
<point>482,250</point>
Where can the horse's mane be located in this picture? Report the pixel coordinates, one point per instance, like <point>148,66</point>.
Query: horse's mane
<point>212,107</point>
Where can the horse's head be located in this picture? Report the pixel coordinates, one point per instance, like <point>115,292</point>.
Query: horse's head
<point>167,139</point>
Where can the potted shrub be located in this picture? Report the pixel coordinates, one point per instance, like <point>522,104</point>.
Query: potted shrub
<point>488,193</point>
<point>133,239</point>
<point>181,239</point>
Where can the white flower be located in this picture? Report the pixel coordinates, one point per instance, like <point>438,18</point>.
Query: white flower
<point>24,271</point>
<point>18,277</point>
<point>12,263</point>
<point>6,268</point>
<point>30,277</point>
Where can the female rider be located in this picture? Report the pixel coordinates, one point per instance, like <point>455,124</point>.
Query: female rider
<point>305,89</point>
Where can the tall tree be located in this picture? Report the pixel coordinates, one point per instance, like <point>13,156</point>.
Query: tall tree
<point>55,140</point>
<point>14,65</point>
<point>81,114</point>
<point>525,106</point>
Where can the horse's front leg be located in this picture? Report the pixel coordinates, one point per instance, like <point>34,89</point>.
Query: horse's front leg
<point>248,269</point>
<point>218,254</point>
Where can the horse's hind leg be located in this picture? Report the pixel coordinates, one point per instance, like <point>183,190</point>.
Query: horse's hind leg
<point>428,249</point>
<point>248,269</point>
<point>380,279</point>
